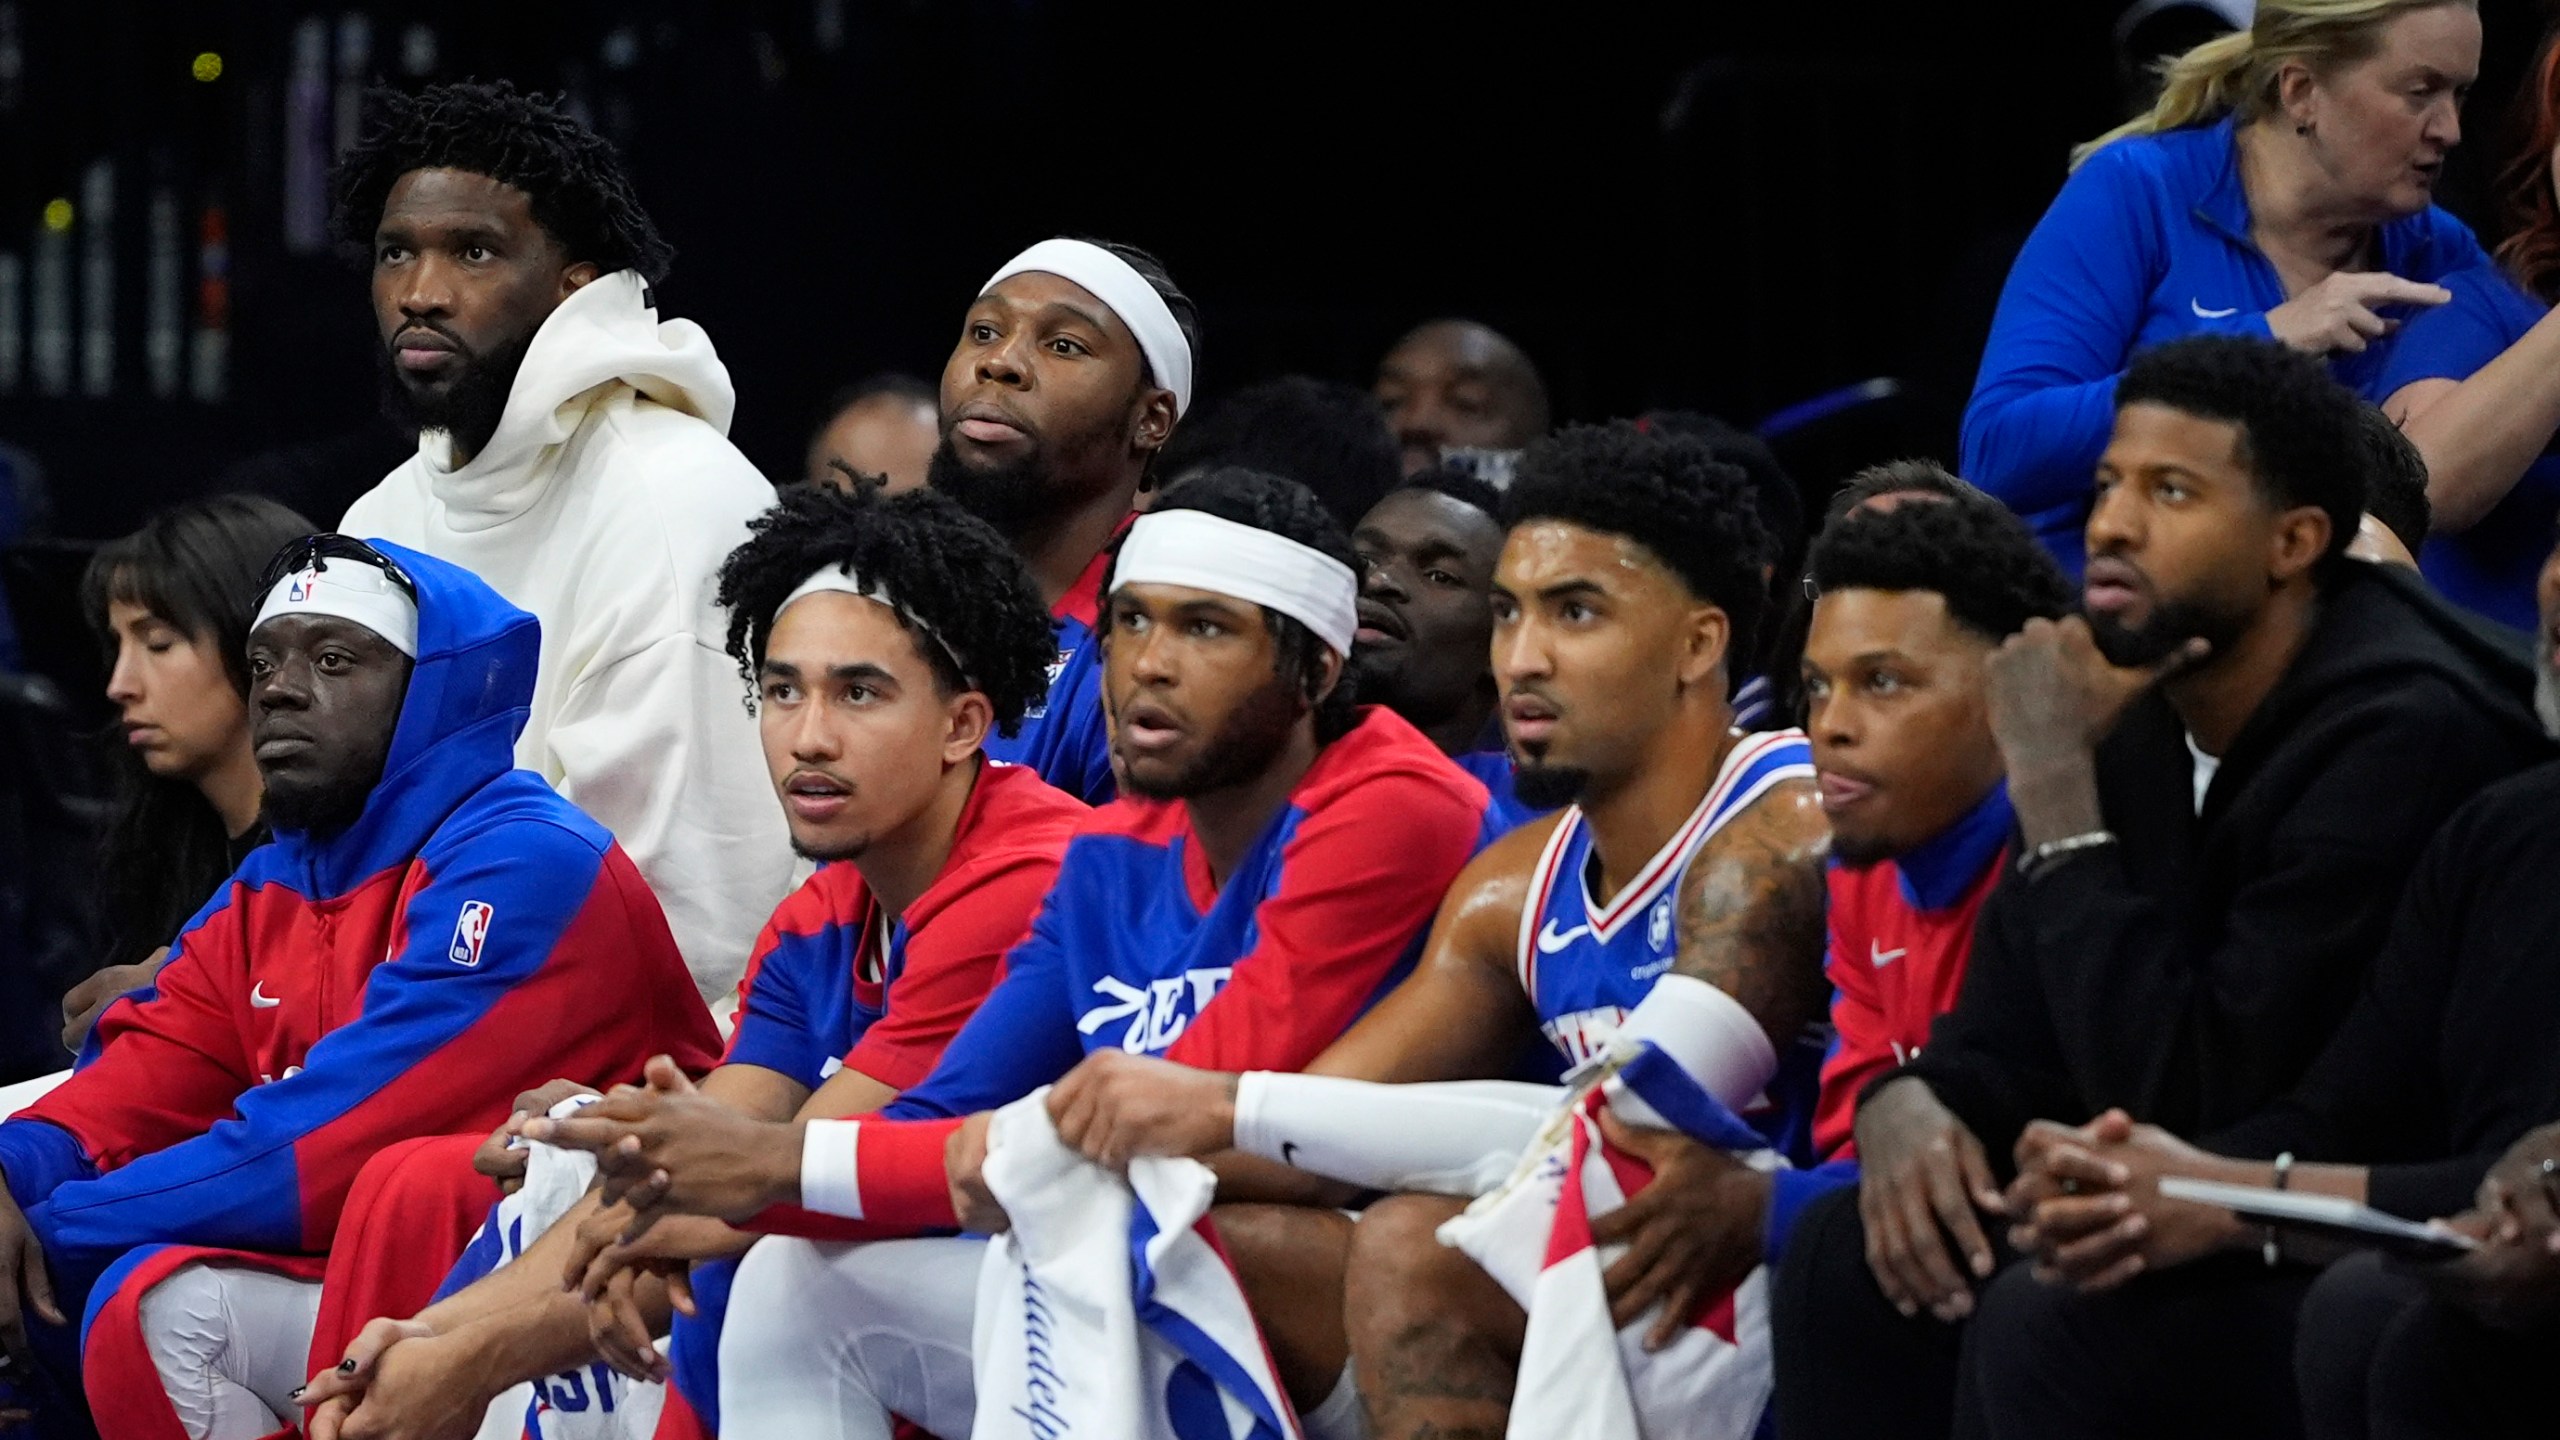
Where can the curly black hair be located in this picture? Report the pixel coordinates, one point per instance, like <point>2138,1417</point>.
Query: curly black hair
<point>1291,511</point>
<point>581,195</point>
<point>2395,479</point>
<point>1463,486</point>
<point>1967,548</point>
<point>1667,493</point>
<point>948,570</point>
<point>2300,435</point>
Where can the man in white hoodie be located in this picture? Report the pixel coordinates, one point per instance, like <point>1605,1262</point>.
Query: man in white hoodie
<point>573,452</point>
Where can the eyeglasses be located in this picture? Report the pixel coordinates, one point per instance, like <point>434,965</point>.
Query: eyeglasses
<point>314,552</point>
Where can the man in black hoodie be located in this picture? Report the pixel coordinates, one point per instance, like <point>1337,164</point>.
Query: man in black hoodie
<point>2222,777</point>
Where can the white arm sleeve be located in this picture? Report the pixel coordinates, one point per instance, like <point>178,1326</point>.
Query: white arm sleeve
<point>1709,1034</point>
<point>1458,1137</point>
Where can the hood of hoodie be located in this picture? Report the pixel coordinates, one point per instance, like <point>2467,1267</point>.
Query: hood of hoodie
<point>2379,624</point>
<point>470,692</point>
<point>605,333</point>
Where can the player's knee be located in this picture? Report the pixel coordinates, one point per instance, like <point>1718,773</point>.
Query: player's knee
<point>183,1321</point>
<point>1398,1267</point>
<point>1284,1246</point>
<point>767,1313</point>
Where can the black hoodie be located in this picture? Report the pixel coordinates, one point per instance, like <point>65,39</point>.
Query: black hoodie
<point>2192,971</point>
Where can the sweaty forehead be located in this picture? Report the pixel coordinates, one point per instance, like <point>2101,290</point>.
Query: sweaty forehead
<point>1542,554</point>
<point>449,197</point>
<point>1035,291</point>
<point>2153,436</point>
<point>1413,518</point>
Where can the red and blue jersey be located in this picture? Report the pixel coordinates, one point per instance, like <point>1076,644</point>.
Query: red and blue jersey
<point>835,984</point>
<point>1137,947</point>
<point>1499,776</point>
<point>1585,964</point>
<point>470,936</point>
<point>1900,932</point>
<point>1066,739</point>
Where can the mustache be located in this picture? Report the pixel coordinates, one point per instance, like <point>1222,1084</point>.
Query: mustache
<point>432,328</point>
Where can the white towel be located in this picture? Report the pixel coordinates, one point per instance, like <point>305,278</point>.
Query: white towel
<point>591,1402</point>
<point>1580,1377</point>
<point>1108,1309</point>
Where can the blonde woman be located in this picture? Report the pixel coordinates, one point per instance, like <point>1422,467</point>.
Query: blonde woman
<point>2283,186</point>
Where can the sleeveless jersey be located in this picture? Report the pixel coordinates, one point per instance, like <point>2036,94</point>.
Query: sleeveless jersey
<point>1584,965</point>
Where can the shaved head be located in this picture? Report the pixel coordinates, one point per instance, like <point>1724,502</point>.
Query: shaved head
<point>1458,383</point>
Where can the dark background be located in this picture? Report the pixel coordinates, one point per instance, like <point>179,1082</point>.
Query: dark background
<point>1719,206</point>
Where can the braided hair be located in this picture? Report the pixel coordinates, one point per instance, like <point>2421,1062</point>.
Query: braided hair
<point>948,571</point>
<point>581,195</point>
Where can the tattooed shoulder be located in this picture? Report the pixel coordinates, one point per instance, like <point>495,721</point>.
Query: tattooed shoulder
<point>1751,909</point>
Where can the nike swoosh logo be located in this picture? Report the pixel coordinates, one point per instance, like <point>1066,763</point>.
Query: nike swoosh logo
<point>2204,314</point>
<point>1879,957</point>
<point>1289,1152</point>
<point>1550,940</point>
<point>259,999</point>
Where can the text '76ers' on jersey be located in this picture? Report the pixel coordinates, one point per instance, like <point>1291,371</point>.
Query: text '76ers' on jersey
<point>1584,964</point>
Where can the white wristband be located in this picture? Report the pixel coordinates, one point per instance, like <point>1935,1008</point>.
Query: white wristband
<point>830,1169</point>
<point>1707,1033</point>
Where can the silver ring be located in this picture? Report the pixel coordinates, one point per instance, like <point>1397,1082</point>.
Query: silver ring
<point>2070,1186</point>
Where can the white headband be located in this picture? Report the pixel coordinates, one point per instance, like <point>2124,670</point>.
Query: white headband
<point>837,580</point>
<point>347,590</point>
<point>1203,551</point>
<point>1116,283</point>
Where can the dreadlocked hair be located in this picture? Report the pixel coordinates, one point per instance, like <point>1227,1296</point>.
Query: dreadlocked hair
<point>1968,549</point>
<point>1292,512</point>
<point>581,195</point>
<point>1667,493</point>
<point>960,590</point>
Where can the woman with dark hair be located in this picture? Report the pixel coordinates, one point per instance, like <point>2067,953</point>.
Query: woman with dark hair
<point>2476,385</point>
<point>171,603</point>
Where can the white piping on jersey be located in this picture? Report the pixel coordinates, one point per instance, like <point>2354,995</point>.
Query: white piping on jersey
<point>1721,803</point>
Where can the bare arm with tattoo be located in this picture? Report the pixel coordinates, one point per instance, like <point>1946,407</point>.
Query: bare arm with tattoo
<point>1751,924</point>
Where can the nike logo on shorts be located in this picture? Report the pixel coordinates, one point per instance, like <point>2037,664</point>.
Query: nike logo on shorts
<point>2204,314</point>
<point>259,999</point>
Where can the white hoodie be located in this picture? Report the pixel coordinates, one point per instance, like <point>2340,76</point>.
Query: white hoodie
<point>604,504</point>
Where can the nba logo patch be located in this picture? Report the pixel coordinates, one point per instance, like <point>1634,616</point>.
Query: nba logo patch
<point>470,931</point>
<point>1658,929</point>
<point>302,587</point>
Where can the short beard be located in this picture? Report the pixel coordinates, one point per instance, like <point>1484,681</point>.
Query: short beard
<point>1548,787</point>
<point>853,849</point>
<point>2172,625</point>
<point>470,407</point>
<point>1019,498</point>
<point>1240,751</point>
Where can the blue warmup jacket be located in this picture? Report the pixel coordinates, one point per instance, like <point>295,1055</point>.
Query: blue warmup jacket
<point>2148,242</point>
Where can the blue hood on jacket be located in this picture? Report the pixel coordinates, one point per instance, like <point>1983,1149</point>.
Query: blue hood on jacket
<point>470,693</point>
